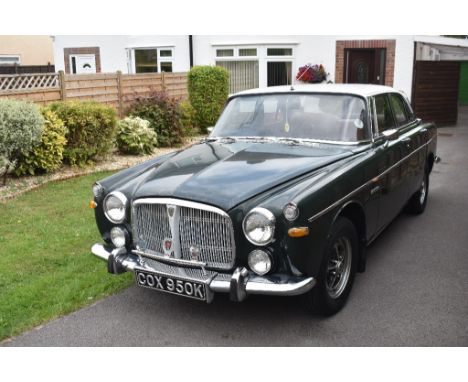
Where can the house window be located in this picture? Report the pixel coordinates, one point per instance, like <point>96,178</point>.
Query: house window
<point>242,65</point>
<point>153,60</point>
<point>248,52</point>
<point>9,59</point>
<point>224,52</point>
<point>243,75</point>
<point>279,52</point>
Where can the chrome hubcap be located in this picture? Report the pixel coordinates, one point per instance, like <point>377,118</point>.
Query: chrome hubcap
<point>422,195</point>
<point>339,267</point>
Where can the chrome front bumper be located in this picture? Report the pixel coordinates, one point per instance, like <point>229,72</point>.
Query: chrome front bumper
<point>239,284</point>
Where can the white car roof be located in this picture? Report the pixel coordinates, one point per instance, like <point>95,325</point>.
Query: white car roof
<point>355,89</point>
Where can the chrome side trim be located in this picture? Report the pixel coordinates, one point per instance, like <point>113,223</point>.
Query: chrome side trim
<point>367,184</point>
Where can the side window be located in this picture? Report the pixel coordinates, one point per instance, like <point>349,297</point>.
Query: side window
<point>398,106</point>
<point>384,113</point>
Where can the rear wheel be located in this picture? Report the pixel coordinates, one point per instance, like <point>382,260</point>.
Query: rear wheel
<point>417,203</point>
<point>336,275</point>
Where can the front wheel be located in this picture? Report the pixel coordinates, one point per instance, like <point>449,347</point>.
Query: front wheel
<point>417,203</point>
<point>336,275</point>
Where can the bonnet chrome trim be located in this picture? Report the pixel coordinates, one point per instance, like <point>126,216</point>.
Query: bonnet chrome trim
<point>180,203</point>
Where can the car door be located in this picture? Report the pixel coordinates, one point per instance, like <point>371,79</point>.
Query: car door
<point>413,138</point>
<point>390,182</point>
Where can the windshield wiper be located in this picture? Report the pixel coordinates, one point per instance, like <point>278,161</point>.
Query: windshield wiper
<point>293,141</point>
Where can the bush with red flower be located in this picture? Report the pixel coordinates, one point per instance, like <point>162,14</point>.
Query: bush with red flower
<point>311,74</point>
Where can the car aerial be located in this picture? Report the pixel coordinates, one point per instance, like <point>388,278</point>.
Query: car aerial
<point>281,198</point>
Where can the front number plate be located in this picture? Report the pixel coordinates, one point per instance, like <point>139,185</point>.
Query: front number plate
<point>171,285</point>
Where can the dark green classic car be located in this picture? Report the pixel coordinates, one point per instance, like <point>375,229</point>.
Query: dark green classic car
<point>282,198</point>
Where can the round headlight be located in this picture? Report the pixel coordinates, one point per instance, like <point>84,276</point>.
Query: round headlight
<point>98,190</point>
<point>259,262</point>
<point>115,205</point>
<point>118,237</point>
<point>259,226</point>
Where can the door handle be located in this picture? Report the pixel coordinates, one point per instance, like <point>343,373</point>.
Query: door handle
<point>407,142</point>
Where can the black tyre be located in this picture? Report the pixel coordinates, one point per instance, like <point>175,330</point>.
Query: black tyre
<point>336,275</point>
<point>417,203</point>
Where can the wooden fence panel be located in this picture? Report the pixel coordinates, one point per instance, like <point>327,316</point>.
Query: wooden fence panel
<point>114,89</point>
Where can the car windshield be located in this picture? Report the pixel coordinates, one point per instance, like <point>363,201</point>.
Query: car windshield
<point>329,117</point>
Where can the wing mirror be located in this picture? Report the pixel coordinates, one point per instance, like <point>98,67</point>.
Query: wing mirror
<point>391,134</point>
<point>210,129</point>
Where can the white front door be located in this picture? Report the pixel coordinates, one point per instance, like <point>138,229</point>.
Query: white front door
<point>83,63</point>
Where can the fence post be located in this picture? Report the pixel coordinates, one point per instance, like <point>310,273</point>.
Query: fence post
<point>163,82</point>
<point>119,92</point>
<point>63,89</point>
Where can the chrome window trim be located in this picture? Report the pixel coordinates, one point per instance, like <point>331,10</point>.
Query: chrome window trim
<point>367,184</point>
<point>377,136</point>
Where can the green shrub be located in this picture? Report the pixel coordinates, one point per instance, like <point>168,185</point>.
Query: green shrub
<point>21,125</point>
<point>208,88</point>
<point>91,129</point>
<point>47,155</point>
<point>187,118</point>
<point>134,136</point>
<point>162,112</point>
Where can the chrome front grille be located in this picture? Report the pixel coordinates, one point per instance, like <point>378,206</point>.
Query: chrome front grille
<point>199,233</point>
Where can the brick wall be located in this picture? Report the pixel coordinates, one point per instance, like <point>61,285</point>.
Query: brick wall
<point>389,45</point>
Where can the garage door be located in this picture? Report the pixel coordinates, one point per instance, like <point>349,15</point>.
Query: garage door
<point>435,91</point>
<point>463,93</point>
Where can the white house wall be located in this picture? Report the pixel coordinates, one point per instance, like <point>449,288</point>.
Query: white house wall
<point>307,49</point>
<point>113,49</point>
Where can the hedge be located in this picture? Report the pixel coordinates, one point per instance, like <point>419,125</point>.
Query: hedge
<point>208,88</point>
<point>47,155</point>
<point>21,125</point>
<point>91,129</point>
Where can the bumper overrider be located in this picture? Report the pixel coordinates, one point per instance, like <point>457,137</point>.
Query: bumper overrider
<point>239,284</point>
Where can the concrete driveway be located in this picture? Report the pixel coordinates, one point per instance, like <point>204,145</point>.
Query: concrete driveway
<point>414,292</point>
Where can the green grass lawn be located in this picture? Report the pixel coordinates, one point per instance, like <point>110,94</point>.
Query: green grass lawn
<point>46,266</point>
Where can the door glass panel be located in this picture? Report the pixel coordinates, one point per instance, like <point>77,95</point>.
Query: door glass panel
<point>279,73</point>
<point>384,113</point>
<point>146,61</point>
<point>362,72</point>
<point>73,60</point>
<point>398,106</point>
<point>166,67</point>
